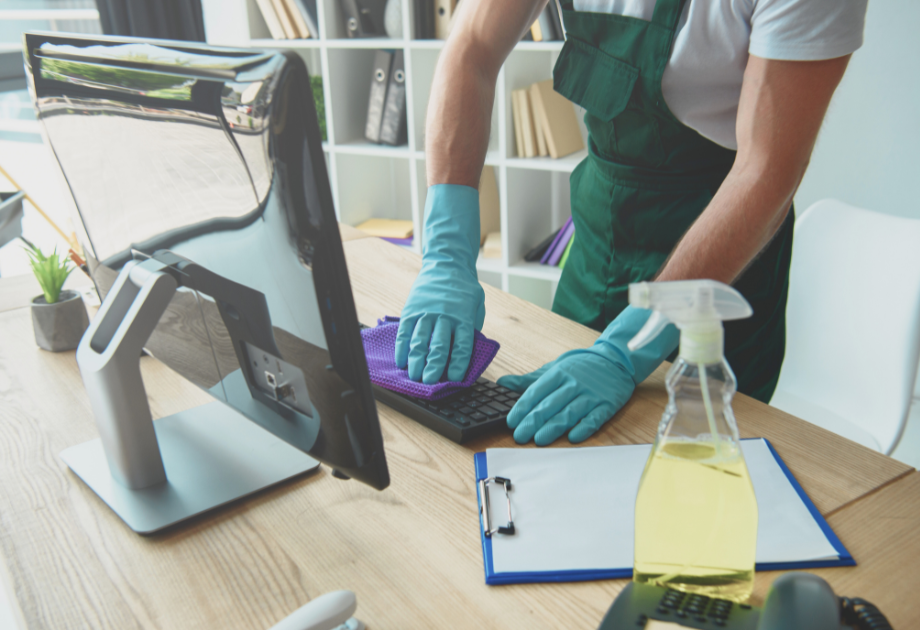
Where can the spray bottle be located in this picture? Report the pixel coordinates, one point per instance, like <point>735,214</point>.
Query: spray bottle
<point>696,514</point>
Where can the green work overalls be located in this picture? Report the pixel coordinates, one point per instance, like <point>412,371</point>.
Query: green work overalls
<point>646,179</point>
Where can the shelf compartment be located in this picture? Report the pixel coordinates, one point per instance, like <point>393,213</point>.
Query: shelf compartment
<point>535,270</point>
<point>540,292</point>
<point>372,187</point>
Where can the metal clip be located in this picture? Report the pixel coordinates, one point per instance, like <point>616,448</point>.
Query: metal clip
<point>485,510</point>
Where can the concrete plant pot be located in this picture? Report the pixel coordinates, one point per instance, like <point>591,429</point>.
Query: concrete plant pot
<point>58,327</point>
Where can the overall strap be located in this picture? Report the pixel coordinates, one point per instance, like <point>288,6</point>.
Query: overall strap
<point>667,13</point>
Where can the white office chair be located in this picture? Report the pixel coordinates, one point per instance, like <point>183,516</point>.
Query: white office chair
<point>852,323</point>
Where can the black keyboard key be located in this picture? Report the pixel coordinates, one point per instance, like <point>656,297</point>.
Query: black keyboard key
<point>487,410</point>
<point>513,395</point>
<point>466,411</point>
<point>477,417</point>
<point>455,405</point>
<point>503,409</point>
<point>481,398</point>
<point>446,413</point>
<point>490,384</point>
<point>465,398</point>
<point>463,421</point>
<point>483,381</point>
<point>502,390</point>
<point>473,404</point>
<point>502,399</point>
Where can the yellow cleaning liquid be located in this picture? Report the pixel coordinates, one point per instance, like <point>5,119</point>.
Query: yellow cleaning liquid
<point>696,519</point>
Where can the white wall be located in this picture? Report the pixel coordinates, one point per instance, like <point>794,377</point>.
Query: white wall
<point>868,152</point>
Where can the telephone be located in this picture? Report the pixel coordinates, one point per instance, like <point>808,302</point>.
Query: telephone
<point>796,601</point>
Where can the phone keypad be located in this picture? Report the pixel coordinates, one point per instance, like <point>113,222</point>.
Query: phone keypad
<point>699,608</point>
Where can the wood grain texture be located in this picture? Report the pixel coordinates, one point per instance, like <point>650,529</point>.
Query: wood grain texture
<point>881,531</point>
<point>412,553</point>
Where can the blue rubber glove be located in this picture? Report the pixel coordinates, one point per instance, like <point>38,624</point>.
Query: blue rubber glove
<point>446,302</point>
<point>582,389</point>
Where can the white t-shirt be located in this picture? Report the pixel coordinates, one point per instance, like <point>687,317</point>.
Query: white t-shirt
<point>702,81</point>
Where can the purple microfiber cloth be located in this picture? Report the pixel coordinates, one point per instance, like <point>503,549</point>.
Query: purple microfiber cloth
<point>380,348</point>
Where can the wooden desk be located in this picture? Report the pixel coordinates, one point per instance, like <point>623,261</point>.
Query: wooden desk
<point>412,552</point>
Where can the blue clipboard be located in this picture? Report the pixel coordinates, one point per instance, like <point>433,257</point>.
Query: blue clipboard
<point>493,578</point>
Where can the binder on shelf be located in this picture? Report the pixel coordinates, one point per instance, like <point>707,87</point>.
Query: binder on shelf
<point>443,12</point>
<point>267,9</point>
<point>380,79</point>
<point>364,18</point>
<point>424,19</point>
<point>393,125</point>
<point>552,10</point>
<point>562,532</point>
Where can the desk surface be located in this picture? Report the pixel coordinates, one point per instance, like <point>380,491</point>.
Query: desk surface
<point>412,552</point>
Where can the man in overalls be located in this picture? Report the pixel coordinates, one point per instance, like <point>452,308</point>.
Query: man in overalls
<point>701,117</point>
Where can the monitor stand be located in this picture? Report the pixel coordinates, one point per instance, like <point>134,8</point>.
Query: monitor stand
<point>157,474</point>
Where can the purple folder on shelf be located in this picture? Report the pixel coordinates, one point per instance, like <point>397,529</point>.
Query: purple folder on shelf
<point>562,244</point>
<point>552,248</point>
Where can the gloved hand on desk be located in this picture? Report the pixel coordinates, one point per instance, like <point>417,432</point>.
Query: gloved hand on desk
<point>582,389</point>
<point>446,302</point>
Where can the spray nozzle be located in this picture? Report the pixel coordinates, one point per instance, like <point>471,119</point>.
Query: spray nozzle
<point>696,307</point>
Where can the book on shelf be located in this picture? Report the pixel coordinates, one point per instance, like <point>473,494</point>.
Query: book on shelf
<point>398,229</point>
<point>516,117</point>
<point>536,253</point>
<point>557,116</point>
<point>286,22</point>
<point>489,215</point>
<point>297,18</point>
<point>530,138</point>
<point>545,122</point>
<point>288,19</point>
<point>267,9</point>
<point>565,254</point>
<point>424,19</point>
<point>544,27</point>
<point>307,9</point>
<point>492,247</point>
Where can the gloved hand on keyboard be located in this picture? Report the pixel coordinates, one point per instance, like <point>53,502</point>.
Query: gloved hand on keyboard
<point>446,302</point>
<point>582,389</point>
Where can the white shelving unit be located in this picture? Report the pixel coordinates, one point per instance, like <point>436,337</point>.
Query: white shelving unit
<point>370,180</point>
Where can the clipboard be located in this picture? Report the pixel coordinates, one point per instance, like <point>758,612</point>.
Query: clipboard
<point>497,518</point>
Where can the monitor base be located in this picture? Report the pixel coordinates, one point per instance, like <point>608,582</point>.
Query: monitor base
<point>212,455</point>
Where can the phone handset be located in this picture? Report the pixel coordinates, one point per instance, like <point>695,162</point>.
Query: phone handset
<point>800,600</point>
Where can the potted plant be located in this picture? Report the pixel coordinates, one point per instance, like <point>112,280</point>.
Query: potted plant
<point>59,317</point>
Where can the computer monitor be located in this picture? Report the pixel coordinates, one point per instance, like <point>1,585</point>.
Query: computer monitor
<point>201,184</point>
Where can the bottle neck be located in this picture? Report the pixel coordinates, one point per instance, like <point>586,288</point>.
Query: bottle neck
<point>700,345</point>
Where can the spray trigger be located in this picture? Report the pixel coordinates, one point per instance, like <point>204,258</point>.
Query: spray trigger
<point>655,324</point>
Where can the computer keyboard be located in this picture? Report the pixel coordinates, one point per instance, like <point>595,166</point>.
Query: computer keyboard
<point>462,416</point>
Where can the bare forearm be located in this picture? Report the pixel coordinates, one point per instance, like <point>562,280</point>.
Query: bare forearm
<point>779,114</point>
<point>739,223</point>
<point>459,118</point>
<point>460,107</point>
